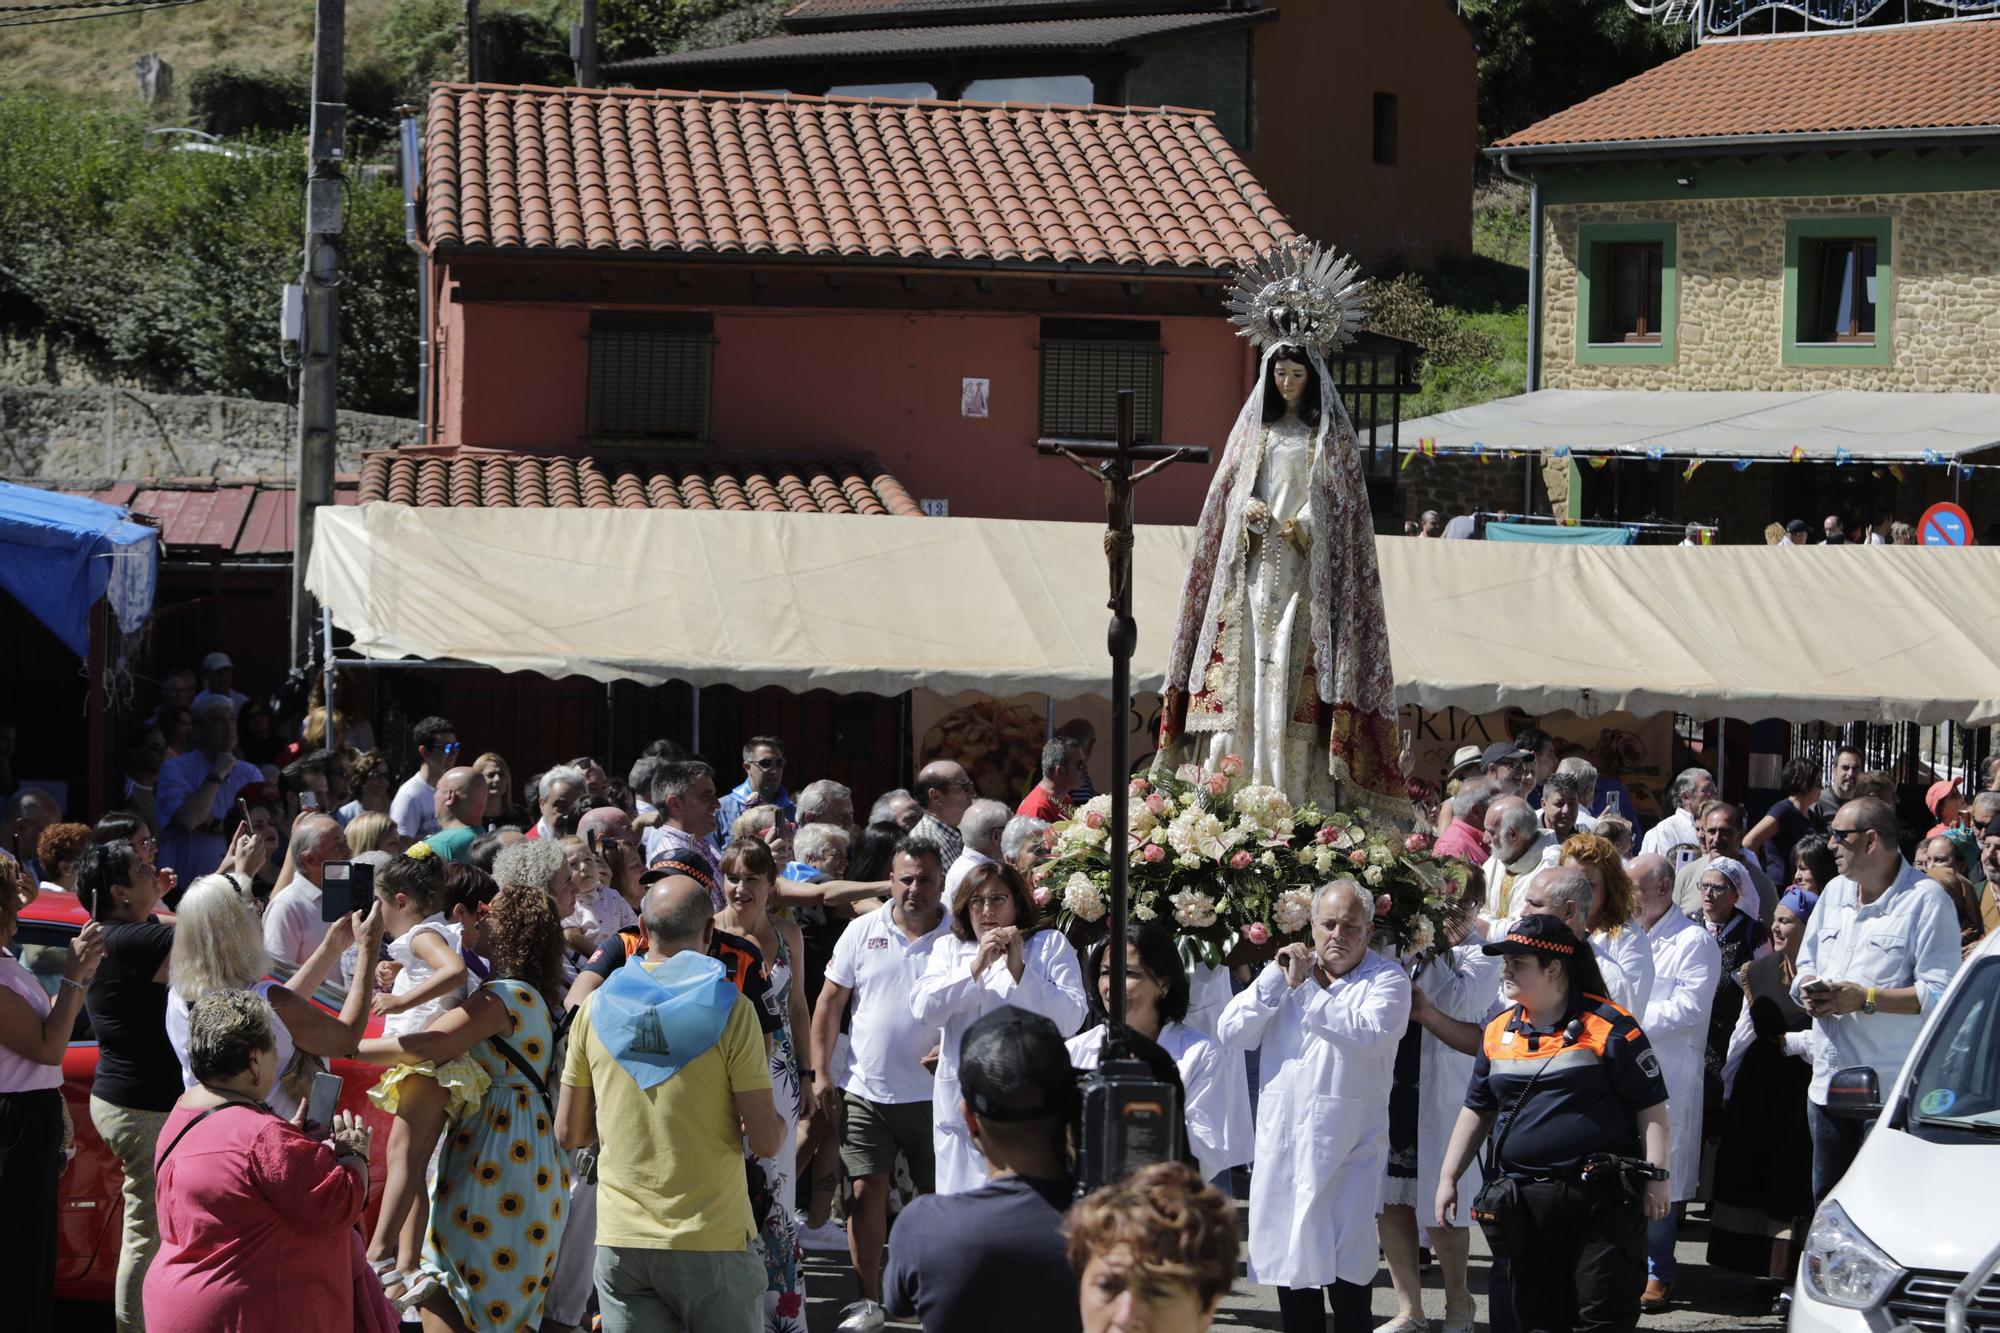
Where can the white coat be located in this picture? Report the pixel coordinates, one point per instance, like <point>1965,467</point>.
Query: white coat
<point>1219,1129</point>
<point>1459,984</point>
<point>951,999</point>
<point>1686,966</point>
<point>1326,1057</point>
<point>1629,973</point>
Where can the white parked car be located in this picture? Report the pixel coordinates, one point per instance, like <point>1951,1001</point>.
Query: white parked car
<point>1910,1237</point>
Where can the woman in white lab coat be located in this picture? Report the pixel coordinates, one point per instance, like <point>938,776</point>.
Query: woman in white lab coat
<point>1686,966</point>
<point>1326,1019</point>
<point>1614,933</point>
<point>995,954</point>
<point>1217,1107</point>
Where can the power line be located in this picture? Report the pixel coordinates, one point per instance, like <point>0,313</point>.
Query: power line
<point>104,9</point>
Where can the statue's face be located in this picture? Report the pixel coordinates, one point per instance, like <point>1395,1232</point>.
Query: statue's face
<point>1290,379</point>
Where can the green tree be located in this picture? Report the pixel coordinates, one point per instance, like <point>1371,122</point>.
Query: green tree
<point>1537,57</point>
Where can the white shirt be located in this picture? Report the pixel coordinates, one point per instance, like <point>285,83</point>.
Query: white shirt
<point>414,807</point>
<point>1686,967</point>
<point>1219,1128</point>
<point>1673,831</point>
<point>1326,1056</point>
<point>1629,977</point>
<point>1906,937</point>
<point>415,972</point>
<point>601,913</point>
<point>882,966</point>
<point>292,925</point>
<point>963,866</point>
<point>281,1041</point>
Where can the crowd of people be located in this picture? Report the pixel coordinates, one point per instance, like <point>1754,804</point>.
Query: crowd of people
<point>641,1042</point>
<point>1834,530</point>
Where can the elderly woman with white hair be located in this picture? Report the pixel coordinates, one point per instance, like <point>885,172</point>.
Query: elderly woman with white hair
<point>1024,842</point>
<point>1325,1019</point>
<point>219,946</point>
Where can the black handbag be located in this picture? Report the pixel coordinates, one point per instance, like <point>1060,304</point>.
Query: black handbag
<point>1500,1208</point>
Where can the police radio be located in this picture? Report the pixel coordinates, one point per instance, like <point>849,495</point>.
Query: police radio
<point>1127,1118</point>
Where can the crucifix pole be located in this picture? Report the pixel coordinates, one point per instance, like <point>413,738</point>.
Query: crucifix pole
<point>1114,472</point>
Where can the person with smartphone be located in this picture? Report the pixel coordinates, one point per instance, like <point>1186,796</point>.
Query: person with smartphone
<point>1880,948</point>
<point>257,1211</point>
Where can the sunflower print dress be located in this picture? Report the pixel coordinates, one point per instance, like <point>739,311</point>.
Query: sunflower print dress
<point>497,1214</point>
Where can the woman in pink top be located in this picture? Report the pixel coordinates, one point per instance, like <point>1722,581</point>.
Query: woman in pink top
<point>257,1215</point>
<point>33,1035</point>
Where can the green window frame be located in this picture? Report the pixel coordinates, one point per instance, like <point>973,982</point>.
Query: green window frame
<point>1597,245</point>
<point>1801,289</point>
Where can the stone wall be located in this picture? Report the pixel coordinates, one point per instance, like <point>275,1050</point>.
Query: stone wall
<point>1455,484</point>
<point>111,433</point>
<point>1945,323</point>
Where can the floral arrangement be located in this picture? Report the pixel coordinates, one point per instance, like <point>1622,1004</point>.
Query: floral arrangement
<point>1233,867</point>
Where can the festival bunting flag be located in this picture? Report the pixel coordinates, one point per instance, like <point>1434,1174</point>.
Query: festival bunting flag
<point>1600,462</point>
<point>1933,457</point>
<point>1741,465</point>
<point>1694,466</point>
<point>1842,457</point>
<point>1656,452</point>
<point>1896,471</point>
<point>1798,453</point>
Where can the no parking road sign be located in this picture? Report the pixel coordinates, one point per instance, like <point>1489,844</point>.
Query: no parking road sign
<point>1944,525</point>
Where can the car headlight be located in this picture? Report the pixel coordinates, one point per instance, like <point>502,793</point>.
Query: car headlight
<point>1842,1266</point>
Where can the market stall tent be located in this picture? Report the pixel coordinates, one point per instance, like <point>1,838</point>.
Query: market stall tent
<point>884,605</point>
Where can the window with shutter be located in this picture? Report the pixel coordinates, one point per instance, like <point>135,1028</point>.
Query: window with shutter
<point>1085,362</point>
<point>650,377</point>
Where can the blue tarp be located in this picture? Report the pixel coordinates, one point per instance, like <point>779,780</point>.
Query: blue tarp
<point>59,554</point>
<point>1557,535</point>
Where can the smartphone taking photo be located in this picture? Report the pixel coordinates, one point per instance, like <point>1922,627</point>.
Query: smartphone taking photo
<point>323,1098</point>
<point>346,887</point>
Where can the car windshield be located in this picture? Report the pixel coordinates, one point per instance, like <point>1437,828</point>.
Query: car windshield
<point>1956,1082</point>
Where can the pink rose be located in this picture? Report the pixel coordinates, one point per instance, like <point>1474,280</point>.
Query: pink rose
<point>1416,842</point>
<point>1217,784</point>
<point>1381,904</point>
<point>1231,766</point>
<point>1094,819</point>
<point>1325,836</point>
<point>1139,787</point>
<point>1242,860</point>
<point>1043,896</point>
<point>1041,875</point>
<point>1154,853</point>
<point>1256,933</point>
<point>1156,803</point>
<point>1359,856</point>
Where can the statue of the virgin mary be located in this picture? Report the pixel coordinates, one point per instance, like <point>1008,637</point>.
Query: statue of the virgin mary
<point>1280,653</point>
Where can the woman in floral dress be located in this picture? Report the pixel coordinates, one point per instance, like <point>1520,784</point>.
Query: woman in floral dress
<point>748,873</point>
<point>497,1207</point>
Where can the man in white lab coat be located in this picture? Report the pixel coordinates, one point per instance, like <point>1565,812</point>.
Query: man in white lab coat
<point>1326,1020</point>
<point>1686,967</point>
<point>1676,836</point>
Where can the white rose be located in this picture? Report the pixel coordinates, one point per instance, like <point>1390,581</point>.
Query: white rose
<point>1292,911</point>
<point>1422,935</point>
<point>1083,900</point>
<point>1373,876</point>
<point>1193,909</point>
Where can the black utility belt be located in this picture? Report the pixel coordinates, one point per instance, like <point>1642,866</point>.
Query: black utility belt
<point>1599,1171</point>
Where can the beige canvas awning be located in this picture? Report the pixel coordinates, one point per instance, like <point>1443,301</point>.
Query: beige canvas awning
<point>883,605</point>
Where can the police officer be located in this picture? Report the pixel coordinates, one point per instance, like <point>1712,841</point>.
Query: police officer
<point>1580,1101</point>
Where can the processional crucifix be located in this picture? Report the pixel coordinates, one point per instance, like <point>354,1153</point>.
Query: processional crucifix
<point>1113,470</point>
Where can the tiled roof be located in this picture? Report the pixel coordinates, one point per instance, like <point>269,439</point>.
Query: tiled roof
<point>849,13</point>
<point>436,478</point>
<point>752,174</point>
<point>1931,77</point>
<point>203,519</point>
<point>1068,35</point>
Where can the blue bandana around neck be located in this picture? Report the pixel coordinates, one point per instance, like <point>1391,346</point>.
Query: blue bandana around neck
<point>655,1021</point>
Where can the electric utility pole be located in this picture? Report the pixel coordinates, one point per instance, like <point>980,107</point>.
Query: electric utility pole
<point>319,328</point>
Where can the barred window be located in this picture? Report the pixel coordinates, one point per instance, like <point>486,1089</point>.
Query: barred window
<point>1085,362</point>
<point>650,376</point>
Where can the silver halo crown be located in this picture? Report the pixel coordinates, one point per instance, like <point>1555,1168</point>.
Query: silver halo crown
<point>1300,292</point>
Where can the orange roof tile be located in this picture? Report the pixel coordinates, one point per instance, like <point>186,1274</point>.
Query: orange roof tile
<point>753,174</point>
<point>446,478</point>
<point>1931,77</point>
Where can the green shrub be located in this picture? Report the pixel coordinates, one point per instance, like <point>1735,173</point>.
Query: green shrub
<point>1403,308</point>
<point>175,262</point>
<point>229,100</point>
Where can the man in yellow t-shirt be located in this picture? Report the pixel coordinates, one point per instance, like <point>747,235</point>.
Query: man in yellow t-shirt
<point>667,1071</point>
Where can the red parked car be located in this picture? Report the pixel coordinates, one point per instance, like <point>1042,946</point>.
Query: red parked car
<point>91,1216</point>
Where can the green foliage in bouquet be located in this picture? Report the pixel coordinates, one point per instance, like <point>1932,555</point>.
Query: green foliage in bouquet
<point>1231,868</point>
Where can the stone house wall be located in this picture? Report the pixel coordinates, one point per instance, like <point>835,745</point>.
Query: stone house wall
<point>1945,323</point>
